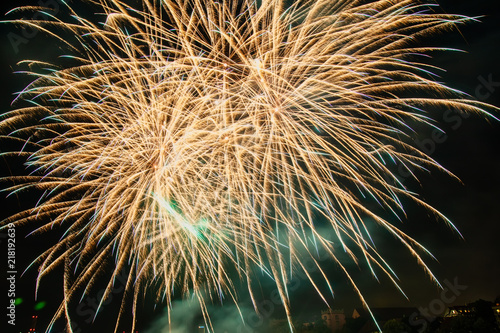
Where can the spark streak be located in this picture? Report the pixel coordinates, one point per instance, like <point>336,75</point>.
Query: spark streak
<point>193,138</point>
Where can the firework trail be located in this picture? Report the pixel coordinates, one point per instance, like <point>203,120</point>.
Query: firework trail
<point>190,141</point>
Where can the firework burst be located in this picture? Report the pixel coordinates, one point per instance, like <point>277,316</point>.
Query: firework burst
<point>190,141</point>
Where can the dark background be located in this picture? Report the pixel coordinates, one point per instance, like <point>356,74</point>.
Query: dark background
<point>471,151</point>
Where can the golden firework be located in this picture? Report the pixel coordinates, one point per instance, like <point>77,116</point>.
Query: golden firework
<point>193,140</point>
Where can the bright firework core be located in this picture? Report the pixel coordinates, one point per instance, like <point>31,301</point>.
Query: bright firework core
<point>196,138</point>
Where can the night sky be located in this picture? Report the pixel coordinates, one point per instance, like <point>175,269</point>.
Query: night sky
<point>471,151</point>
